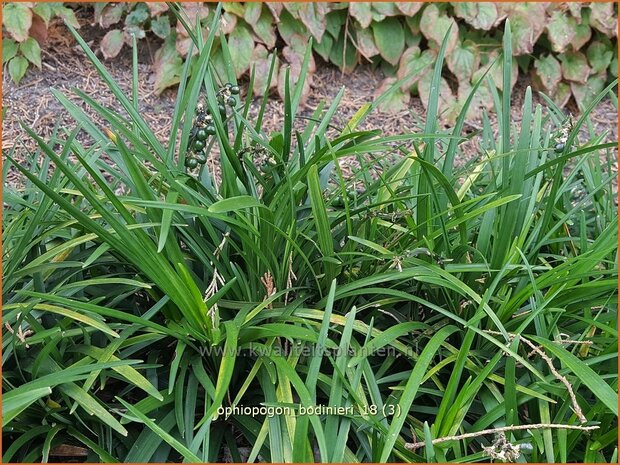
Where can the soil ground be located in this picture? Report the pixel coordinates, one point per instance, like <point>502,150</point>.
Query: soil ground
<point>65,67</point>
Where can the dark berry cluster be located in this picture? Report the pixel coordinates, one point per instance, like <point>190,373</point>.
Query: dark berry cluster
<point>561,136</point>
<point>338,201</point>
<point>203,125</point>
<point>259,157</point>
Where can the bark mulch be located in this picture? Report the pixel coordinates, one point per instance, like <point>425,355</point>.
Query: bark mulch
<point>65,67</point>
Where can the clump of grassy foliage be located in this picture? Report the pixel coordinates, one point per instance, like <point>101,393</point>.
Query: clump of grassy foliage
<point>426,286</point>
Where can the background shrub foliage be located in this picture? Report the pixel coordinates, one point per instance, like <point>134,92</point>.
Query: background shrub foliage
<point>24,27</point>
<point>132,277</point>
<point>567,48</point>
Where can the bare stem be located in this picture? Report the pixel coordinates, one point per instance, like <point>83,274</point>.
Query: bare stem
<point>291,278</point>
<point>417,445</point>
<point>555,373</point>
<point>561,378</point>
<point>270,287</point>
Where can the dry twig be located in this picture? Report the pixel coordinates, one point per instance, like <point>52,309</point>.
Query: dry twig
<point>536,349</point>
<point>290,279</point>
<point>417,445</point>
<point>20,333</point>
<point>502,449</point>
<point>559,377</point>
<point>270,287</point>
<point>216,281</point>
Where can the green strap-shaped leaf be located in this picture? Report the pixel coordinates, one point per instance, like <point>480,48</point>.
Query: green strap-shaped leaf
<point>184,451</point>
<point>129,373</point>
<point>13,405</point>
<point>227,366</point>
<point>322,222</point>
<point>411,388</point>
<point>92,406</point>
<point>231,204</point>
<point>87,320</point>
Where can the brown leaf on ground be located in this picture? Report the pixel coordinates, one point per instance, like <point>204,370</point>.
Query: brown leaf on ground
<point>157,8</point>
<point>38,30</point>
